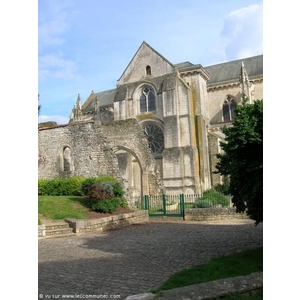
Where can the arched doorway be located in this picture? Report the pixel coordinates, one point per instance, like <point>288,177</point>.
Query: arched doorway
<point>131,170</point>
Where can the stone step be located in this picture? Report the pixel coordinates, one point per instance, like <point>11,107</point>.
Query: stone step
<point>60,235</point>
<point>58,231</point>
<point>57,225</point>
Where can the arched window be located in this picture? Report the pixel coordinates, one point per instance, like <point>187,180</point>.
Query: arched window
<point>148,70</point>
<point>229,107</point>
<point>147,100</point>
<point>155,138</point>
<point>67,159</point>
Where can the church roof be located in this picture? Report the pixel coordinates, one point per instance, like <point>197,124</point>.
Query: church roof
<point>220,73</point>
<point>105,98</point>
<point>230,71</point>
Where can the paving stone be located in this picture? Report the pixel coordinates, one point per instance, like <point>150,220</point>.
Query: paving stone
<point>136,259</point>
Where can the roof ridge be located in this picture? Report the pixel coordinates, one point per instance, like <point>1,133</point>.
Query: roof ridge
<point>236,60</point>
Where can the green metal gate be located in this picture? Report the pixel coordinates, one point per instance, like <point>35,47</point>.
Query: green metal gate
<point>165,205</point>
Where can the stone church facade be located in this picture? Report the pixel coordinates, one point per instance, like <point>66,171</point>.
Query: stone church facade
<point>161,125</point>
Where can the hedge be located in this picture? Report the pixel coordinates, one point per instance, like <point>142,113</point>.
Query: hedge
<point>68,186</point>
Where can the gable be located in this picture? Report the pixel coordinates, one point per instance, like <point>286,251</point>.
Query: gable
<point>145,56</point>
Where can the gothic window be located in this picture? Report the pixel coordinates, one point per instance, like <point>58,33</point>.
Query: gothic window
<point>229,107</point>
<point>147,100</point>
<point>155,138</point>
<point>148,70</point>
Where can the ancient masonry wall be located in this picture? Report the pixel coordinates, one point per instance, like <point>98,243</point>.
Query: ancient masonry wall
<point>89,154</point>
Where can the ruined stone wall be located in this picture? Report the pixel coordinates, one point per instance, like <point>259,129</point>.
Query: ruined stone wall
<point>128,135</point>
<point>90,153</point>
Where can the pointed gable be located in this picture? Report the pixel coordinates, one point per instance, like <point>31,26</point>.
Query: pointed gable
<point>147,62</point>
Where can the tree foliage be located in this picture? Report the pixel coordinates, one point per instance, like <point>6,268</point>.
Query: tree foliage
<point>243,159</point>
<point>39,106</point>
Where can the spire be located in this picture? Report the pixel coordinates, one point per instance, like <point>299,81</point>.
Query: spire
<point>246,85</point>
<point>78,102</point>
<point>96,103</point>
<point>76,114</point>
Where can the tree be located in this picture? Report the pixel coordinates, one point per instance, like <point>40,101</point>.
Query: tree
<point>242,160</point>
<point>39,106</point>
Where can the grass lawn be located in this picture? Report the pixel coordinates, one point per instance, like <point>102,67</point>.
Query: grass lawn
<point>238,264</point>
<point>61,207</point>
<point>253,295</point>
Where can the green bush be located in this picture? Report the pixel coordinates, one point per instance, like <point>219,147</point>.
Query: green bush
<point>60,186</point>
<point>98,192</point>
<point>203,203</point>
<point>74,186</point>
<point>107,206</point>
<point>88,182</point>
<point>215,197</point>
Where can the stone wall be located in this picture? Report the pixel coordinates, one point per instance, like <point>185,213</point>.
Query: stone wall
<point>112,222</point>
<point>213,214</point>
<point>89,153</point>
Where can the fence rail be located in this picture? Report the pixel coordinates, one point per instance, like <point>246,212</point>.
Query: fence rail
<point>174,205</point>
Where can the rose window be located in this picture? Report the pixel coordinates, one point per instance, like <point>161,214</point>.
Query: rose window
<point>155,138</point>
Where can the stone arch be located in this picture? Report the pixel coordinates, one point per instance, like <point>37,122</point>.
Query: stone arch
<point>128,135</point>
<point>132,171</point>
<point>66,160</point>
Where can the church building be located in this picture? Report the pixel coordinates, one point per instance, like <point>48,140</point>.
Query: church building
<point>159,130</point>
<point>181,109</point>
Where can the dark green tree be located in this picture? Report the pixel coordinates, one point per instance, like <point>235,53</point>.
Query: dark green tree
<point>39,106</point>
<point>242,160</point>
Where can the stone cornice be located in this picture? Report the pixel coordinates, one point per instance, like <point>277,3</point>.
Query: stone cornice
<point>194,70</point>
<point>231,83</point>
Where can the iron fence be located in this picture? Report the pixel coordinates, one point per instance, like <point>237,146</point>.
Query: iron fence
<point>174,205</point>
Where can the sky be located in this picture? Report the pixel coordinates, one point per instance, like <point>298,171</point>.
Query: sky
<point>86,45</point>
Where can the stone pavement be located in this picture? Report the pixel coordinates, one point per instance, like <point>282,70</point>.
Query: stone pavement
<point>137,258</point>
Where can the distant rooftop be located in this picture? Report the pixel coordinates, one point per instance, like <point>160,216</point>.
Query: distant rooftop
<point>230,71</point>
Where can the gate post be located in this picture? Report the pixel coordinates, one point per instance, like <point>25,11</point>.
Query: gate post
<point>146,202</point>
<point>164,205</point>
<point>182,205</point>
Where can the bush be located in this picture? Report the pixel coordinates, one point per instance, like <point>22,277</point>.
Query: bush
<point>60,186</point>
<point>74,186</point>
<point>203,203</point>
<point>216,198</point>
<point>107,206</point>
<point>87,183</point>
<point>98,192</point>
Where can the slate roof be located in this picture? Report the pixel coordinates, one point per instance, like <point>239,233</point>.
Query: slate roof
<point>105,98</point>
<point>230,71</point>
<point>224,72</point>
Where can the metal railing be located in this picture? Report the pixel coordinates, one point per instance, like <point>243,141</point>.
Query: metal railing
<point>162,205</point>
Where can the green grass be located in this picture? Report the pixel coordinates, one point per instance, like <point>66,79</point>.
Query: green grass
<point>40,223</point>
<point>61,207</point>
<point>253,295</point>
<point>238,264</point>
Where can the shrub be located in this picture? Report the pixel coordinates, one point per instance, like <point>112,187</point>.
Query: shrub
<point>107,206</point>
<point>98,192</point>
<point>118,191</point>
<point>41,186</point>
<point>87,183</point>
<point>214,197</point>
<point>203,203</point>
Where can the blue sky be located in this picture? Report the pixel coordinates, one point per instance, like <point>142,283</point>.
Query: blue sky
<point>85,45</point>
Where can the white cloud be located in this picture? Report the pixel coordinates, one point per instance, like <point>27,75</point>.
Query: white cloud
<point>54,65</point>
<point>243,32</point>
<point>56,118</point>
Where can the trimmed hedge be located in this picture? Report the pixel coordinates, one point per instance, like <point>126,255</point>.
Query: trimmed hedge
<point>71,186</point>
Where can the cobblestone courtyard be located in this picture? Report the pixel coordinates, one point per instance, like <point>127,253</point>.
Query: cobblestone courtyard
<point>137,258</point>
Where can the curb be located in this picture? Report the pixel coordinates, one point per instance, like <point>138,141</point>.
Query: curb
<point>208,290</point>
